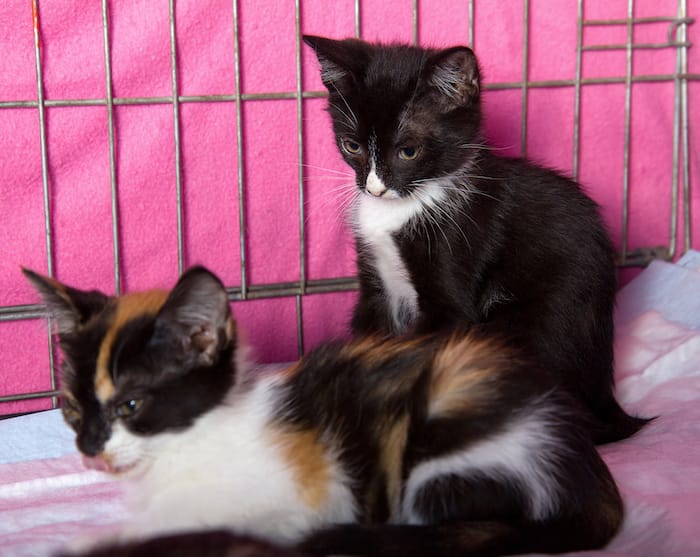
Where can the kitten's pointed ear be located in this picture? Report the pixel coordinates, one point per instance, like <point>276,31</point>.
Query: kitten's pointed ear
<point>340,61</point>
<point>195,320</point>
<point>454,73</point>
<point>70,307</point>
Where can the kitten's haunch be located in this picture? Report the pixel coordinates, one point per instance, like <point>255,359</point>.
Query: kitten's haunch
<point>451,236</point>
<point>431,445</point>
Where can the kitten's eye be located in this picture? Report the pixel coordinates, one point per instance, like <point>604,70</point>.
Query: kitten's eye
<point>408,153</point>
<point>129,408</point>
<point>351,147</point>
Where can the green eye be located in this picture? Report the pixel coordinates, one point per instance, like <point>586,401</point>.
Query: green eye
<point>351,147</point>
<point>408,153</point>
<point>129,408</point>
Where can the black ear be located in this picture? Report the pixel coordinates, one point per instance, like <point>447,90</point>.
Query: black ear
<point>70,307</point>
<point>341,61</point>
<point>195,322</point>
<point>454,74</point>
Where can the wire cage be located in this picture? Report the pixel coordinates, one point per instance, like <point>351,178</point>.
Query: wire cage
<point>630,48</point>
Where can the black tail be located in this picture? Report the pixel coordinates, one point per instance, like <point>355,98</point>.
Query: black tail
<point>612,423</point>
<point>482,539</point>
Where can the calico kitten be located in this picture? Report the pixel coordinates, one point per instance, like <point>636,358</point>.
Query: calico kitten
<point>449,235</point>
<point>402,447</point>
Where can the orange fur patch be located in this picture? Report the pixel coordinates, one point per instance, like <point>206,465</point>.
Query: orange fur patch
<point>465,373</point>
<point>129,307</point>
<point>392,451</point>
<point>306,456</point>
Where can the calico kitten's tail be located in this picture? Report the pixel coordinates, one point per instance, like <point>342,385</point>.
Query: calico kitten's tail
<point>473,538</point>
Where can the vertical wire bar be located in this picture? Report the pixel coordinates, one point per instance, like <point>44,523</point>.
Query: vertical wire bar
<point>577,91</point>
<point>675,181</point>
<point>45,183</point>
<point>628,117</point>
<point>526,63</point>
<point>470,23</point>
<point>176,129</point>
<point>673,230</point>
<point>414,23</point>
<point>357,19</point>
<point>682,38</point>
<point>112,150</point>
<point>300,157</point>
<point>239,154</point>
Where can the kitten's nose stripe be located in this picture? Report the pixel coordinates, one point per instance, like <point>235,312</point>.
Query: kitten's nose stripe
<point>130,306</point>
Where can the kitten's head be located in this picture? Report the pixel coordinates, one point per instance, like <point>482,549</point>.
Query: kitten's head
<point>141,364</point>
<point>402,115</point>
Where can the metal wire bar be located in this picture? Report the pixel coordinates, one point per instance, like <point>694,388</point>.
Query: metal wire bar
<point>678,132</point>
<point>176,133</point>
<point>636,20</point>
<point>23,311</point>
<point>53,393</point>
<point>540,84</point>
<point>674,21</point>
<point>254,292</point>
<point>526,62</point>
<point>44,180</point>
<point>682,31</point>
<point>109,101</point>
<point>414,22</point>
<point>577,91</point>
<point>470,23</point>
<point>627,128</point>
<point>357,19</point>
<point>300,176</point>
<point>638,46</point>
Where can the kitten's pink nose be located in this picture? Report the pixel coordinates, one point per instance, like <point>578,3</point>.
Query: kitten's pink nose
<point>374,185</point>
<point>98,463</point>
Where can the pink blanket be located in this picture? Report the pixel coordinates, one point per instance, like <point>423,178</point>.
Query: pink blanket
<point>46,501</point>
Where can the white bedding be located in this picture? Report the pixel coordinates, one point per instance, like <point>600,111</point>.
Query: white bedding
<point>46,497</point>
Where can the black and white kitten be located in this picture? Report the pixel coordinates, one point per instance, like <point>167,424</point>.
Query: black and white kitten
<point>407,447</point>
<point>449,235</point>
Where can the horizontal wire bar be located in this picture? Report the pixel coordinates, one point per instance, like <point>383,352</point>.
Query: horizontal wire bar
<point>124,101</point>
<point>641,46</point>
<point>272,290</point>
<point>624,21</point>
<point>29,396</point>
<point>321,94</point>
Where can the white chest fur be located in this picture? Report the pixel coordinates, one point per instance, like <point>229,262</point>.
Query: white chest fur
<point>227,471</point>
<point>376,220</point>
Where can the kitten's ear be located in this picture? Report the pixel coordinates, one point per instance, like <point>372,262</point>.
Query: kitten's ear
<point>454,73</point>
<point>195,320</point>
<point>70,307</point>
<point>341,61</point>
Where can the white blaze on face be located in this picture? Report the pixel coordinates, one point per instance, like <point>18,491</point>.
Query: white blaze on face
<point>374,184</point>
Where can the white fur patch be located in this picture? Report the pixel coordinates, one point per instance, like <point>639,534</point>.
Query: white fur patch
<point>375,222</point>
<point>225,471</point>
<point>526,452</point>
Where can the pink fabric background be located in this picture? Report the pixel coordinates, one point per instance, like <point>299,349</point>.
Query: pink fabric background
<point>74,68</point>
